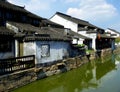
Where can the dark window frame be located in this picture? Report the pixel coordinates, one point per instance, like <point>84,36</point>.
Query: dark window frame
<point>5,45</point>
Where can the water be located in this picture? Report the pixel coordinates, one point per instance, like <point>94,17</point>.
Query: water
<point>95,76</point>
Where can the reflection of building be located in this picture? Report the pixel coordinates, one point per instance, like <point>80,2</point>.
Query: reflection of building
<point>103,68</point>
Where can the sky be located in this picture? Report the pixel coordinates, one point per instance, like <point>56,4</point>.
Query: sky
<point>102,13</point>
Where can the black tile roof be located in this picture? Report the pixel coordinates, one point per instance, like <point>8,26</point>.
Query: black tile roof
<point>31,15</point>
<point>10,6</point>
<point>23,27</point>
<point>36,33</point>
<point>55,33</point>
<point>7,5</point>
<point>78,35</point>
<point>78,21</point>
<point>114,30</point>
<point>5,31</point>
<point>71,33</point>
<point>51,24</point>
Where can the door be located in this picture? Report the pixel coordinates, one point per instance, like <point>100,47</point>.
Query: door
<point>20,48</point>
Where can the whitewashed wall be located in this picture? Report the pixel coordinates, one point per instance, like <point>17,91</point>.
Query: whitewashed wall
<point>66,23</point>
<point>4,55</point>
<point>74,41</point>
<point>83,33</point>
<point>29,49</point>
<point>112,32</point>
<point>91,35</point>
<point>57,51</point>
<point>80,41</point>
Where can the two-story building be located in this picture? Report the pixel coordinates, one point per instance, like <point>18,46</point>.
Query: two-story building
<point>11,12</point>
<point>84,28</point>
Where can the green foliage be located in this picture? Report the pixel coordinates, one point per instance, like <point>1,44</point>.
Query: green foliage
<point>90,51</point>
<point>117,40</point>
<point>80,45</point>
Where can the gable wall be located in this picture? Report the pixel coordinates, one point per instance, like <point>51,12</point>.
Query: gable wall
<point>66,23</point>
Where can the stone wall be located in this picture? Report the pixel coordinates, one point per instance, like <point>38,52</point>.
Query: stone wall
<point>106,52</point>
<point>15,80</point>
<point>62,66</point>
<point>18,79</point>
<point>117,50</point>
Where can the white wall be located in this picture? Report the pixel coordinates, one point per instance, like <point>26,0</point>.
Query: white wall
<point>80,41</point>
<point>90,35</point>
<point>75,41</point>
<point>112,32</point>
<point>29,49</point>
<point>57,51</point>
<point>66,23</point>
<point>83,33</point>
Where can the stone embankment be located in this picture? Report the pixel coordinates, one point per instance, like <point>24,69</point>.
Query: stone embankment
<point>18,79</point>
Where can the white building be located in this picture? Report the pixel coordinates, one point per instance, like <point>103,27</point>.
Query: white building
<point>112,32</point>
<point>47,44</point>
<point>77,25</point>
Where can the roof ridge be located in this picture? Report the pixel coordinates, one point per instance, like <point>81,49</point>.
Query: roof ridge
<point>71,16</point>
<point>114,30</point>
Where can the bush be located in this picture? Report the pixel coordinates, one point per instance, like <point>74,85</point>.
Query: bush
<point>117,40</point>
<point>80,45</point>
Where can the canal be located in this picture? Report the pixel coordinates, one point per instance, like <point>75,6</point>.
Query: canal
<point>96,76</point>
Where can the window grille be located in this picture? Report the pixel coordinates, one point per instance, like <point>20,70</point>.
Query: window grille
<point>45,50</point>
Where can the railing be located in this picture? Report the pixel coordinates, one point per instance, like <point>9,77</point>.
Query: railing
<point>16,64</point>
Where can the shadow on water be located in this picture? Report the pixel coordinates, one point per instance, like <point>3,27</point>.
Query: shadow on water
<point>84,79</point>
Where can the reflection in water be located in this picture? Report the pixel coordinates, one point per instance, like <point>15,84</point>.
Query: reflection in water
<point>91,77</point>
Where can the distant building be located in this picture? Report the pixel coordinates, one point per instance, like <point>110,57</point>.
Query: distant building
<point>84,28</point>
<point>112,32</point>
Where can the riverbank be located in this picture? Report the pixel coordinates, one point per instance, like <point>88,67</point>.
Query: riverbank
<point>18,79</point>
<point>95,76</point>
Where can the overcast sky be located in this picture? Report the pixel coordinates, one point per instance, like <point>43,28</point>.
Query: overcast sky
<point>102,13</point>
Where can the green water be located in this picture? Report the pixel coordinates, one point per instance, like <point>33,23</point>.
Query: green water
<point>95,76</point>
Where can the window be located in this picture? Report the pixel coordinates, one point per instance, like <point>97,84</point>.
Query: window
<point>5,46</point>
<point>8,15</point>
<point>45,50</point>
<point>24,18</point>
